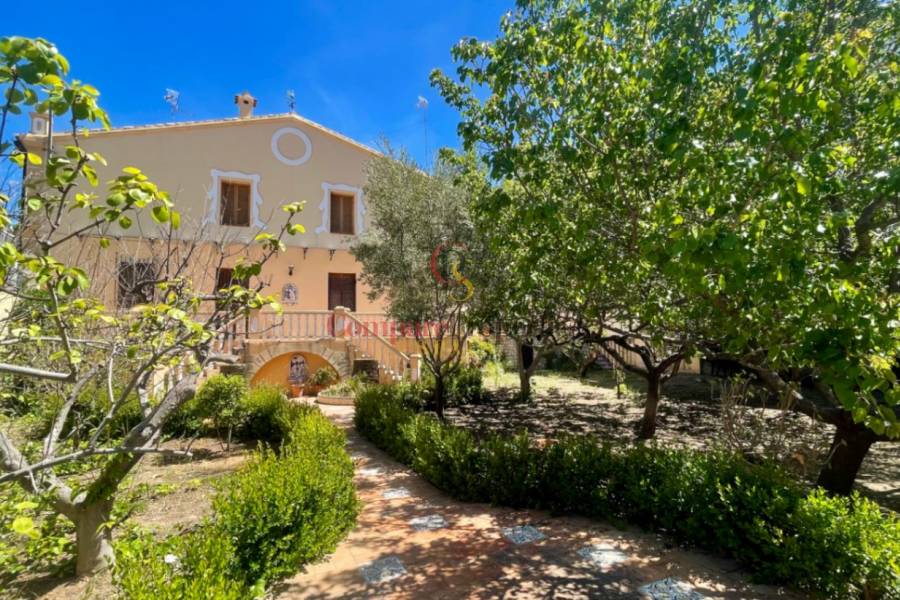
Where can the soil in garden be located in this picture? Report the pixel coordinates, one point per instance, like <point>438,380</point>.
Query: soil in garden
<point>691,415</point>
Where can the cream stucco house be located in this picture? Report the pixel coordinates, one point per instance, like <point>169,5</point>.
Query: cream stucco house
<point>228,178</point>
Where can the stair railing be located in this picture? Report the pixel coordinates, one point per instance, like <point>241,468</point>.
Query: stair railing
<point>370,344</point>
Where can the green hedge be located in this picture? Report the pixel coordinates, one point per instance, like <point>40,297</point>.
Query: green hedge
<point>280,511</point>
<point>193,566</point>
<point>839,547</point>
<point>285,510</point>
<point>225,401</point>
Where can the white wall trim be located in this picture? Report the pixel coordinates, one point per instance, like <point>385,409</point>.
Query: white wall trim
<point>291,162</point>
<point>325,206</point>
<point>255,198</point>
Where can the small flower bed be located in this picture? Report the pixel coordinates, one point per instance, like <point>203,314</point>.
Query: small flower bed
<point>835,546</point>
<point>343,392</point>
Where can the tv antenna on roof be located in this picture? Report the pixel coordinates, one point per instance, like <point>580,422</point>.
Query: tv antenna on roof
<point>422,104</point>
<point>291,100</point>
<point>171,99</point>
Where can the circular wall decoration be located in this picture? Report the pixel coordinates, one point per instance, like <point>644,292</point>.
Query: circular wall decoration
<point>291,162</point>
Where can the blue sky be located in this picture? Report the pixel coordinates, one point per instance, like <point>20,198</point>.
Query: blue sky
<point>355,66</point>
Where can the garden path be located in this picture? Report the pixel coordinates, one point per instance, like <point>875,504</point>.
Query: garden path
<point>414,541</point>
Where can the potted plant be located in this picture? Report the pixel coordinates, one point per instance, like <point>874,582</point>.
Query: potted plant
<point>320,379</point>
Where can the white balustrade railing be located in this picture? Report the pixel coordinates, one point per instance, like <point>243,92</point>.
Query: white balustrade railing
<point>291,325</point>
<point>369,334</point>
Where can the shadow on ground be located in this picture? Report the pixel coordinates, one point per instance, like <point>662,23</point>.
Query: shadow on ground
<point>690,415</point>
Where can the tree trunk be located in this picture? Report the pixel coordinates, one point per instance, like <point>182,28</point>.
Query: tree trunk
<point>93,540</point>
<point>525,384</point>
<point>849,447</point>
<point>648,423</point>
<point>439,394</point>
<point>526,362</point>
<point>589,360</point>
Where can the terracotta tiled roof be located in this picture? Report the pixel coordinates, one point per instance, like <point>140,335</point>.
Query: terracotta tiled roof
<point>216,122</point>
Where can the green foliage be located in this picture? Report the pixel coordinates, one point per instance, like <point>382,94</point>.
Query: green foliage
<point>348,387</point>
<point>220,399</point>
<point>843,539</point>
<point>420,253</point>
<point>289,508</point>
<point>722,171</point>
<point>481,351</point>
<point>191,566</point>
<point>323,376</point>
<point>754,513</point>
<point>381,411</point>
<point>263,413</point>
<point>281,511</point>
<point>446,456</point>
<point>57,331</point>
<point>33,538</point>
<point>37,406</point>
<point>187,420</point>
<point>465,385</point>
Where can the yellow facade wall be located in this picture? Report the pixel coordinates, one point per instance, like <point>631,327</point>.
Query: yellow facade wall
<point>308,271</point>
<point>184,160</point>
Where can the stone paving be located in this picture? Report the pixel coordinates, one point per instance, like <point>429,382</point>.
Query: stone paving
<point>414,541</point>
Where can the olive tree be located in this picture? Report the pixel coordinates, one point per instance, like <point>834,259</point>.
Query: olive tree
<point>60,339</point>
<point>417,256</point>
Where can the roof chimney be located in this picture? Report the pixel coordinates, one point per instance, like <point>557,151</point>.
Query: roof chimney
<point>245,103</point>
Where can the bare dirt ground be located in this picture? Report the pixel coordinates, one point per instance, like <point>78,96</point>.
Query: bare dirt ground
<point>170,495</point>
<point>690,415</point>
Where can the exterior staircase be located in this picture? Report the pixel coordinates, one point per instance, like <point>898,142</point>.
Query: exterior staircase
<point>350,342</point>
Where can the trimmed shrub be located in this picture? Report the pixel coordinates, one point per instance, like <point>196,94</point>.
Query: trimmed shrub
<point>465,386</point>
<point>446,456</point>
<point>383,412</point>
<point>835,540</point>
<point>285,509</point>
<point>262,413</point>
<point>836,546</point>
<point>192,566</point>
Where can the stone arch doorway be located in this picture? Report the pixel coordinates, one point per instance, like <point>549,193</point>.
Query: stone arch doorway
<point>277,370</point>
<point>334,352</point>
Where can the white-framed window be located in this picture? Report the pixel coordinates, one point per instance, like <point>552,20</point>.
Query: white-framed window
<point>234,199</point>
<point>343,209</point>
